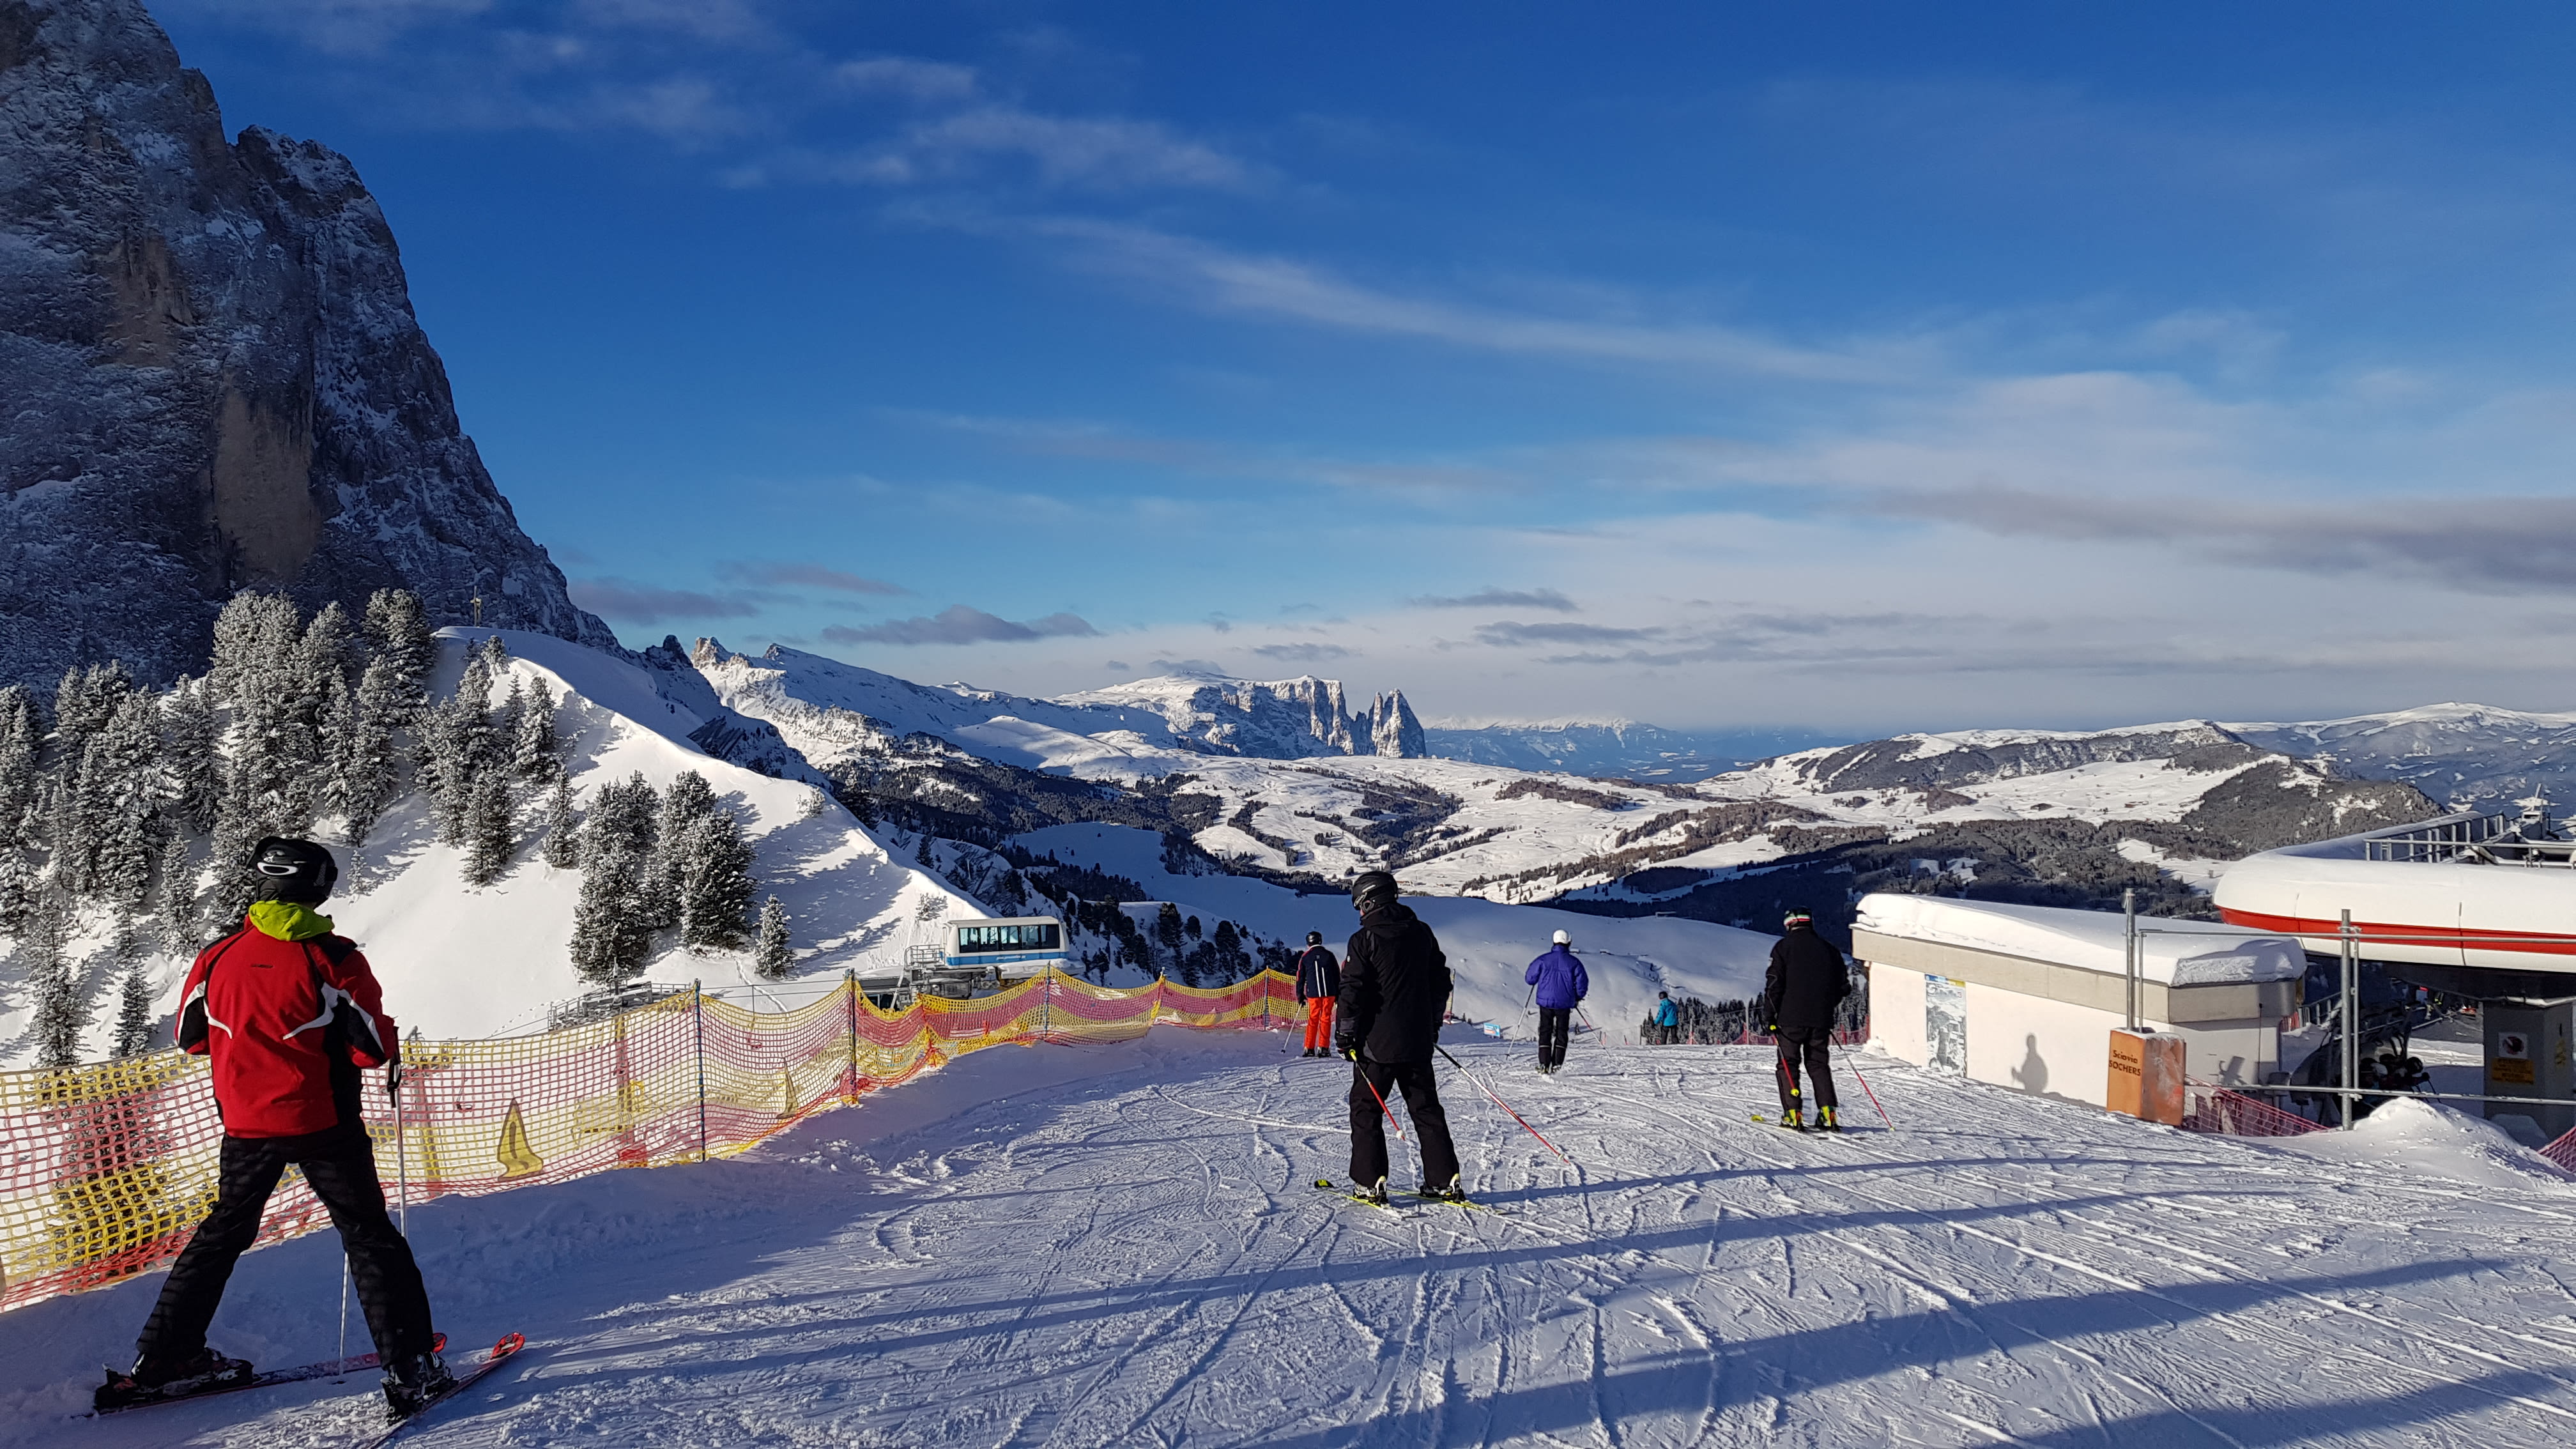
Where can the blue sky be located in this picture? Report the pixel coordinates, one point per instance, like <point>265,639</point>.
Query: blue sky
<point>1845,365</point>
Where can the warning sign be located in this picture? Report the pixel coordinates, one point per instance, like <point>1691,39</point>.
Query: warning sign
<point>2513,1044</point>
<point>2510,1069</point>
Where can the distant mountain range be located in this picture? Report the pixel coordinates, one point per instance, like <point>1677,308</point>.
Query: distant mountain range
<point>1616,749</point>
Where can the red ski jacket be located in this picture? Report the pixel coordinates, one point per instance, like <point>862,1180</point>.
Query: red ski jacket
<point>288,1023</point>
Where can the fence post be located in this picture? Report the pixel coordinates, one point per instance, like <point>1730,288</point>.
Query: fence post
<point>850,984</point>
<point>1046,1005</point>
<point>698,1031</point>
<point>2351,1020</point>
<point>2129,909</point>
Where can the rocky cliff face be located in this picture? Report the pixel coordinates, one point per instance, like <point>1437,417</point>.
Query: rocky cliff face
<point>213,378</point>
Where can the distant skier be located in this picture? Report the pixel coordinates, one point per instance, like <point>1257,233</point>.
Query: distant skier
<point>289,1013</point>
<point>1806,982</point>
<point>1319,980</point>
<point>1395,991</point>
<point>1561,986</point>
<point>1668,1019</point>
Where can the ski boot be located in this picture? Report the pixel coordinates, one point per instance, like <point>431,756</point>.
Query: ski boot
<point>157,1378</point>
<point>1451,1191</point>
<point>412,1382</point>
<point>1372,1193</point>
<point>1825,1120</point>
<point>1794,1121</point>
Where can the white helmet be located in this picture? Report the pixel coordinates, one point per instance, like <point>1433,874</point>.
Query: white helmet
<point>1563,939</point>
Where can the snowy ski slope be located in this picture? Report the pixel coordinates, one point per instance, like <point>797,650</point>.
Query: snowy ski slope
<point>1115,1246</point>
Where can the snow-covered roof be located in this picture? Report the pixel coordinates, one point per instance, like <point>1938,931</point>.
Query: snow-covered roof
<point>2172,953</point>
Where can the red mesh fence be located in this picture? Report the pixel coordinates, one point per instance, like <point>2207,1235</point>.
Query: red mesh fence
<point>2216,1110</point>
<point>105,1170</point>
<point>2562,1151</point>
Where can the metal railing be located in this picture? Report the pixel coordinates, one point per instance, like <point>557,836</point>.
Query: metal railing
<point>2513,837</point>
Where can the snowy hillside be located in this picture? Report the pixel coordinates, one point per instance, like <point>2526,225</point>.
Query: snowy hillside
<point>462,960</point>
<point>1109,1246</point>
<point>466,962</point>
<point>2467,755</point>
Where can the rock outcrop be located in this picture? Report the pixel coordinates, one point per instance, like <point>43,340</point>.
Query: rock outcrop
<point>213,377</point>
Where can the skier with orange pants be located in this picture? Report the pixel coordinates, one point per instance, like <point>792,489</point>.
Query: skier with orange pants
<point>1319,981</point>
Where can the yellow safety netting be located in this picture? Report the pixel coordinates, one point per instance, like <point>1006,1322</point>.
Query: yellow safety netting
<point>106,1169</point>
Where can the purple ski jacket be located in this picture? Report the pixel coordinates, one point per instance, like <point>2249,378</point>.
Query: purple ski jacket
<point>1559,979</point>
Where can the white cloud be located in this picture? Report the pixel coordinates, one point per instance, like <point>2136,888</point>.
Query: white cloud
<point>905,78</point>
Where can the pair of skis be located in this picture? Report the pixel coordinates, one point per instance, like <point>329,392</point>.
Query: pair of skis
<point>1393,1199</point>
<point>498,1354</point>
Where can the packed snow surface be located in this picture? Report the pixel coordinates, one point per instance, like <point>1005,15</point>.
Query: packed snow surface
<point>1116,1245</point>
<point>2171,952</point>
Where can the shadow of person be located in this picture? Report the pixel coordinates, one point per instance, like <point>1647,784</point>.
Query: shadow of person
<point>2032,1074</point>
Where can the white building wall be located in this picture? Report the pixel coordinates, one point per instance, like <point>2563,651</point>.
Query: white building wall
<point>2054,1048</point>
<point>1896,1013</point>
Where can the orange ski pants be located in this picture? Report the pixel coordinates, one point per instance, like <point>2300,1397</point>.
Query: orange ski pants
<point>1319,1023</point>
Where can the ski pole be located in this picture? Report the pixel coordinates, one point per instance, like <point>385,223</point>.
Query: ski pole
<point>344,1309</point>
<point>1381,1099</point>
<point>1499,1102</point>
<point>1850,1061</point>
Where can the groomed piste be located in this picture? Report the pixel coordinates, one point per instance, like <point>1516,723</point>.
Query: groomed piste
<point>1116,1244</point>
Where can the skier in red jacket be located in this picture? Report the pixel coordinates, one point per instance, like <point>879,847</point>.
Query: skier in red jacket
<point>289,1013</point>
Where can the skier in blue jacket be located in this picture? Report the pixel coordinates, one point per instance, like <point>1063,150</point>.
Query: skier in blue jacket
<point>1561,984</point>
<point>1668,1019</point>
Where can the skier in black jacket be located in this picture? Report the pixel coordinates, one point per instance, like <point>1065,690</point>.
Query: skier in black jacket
<point>1807,980</point>
<point>1395,990</point>
<point>1319,980</point>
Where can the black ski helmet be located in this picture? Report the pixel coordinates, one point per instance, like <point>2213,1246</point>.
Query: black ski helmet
<point>1372,890</point>
<point>1314,938</point>
<point>293,870</point>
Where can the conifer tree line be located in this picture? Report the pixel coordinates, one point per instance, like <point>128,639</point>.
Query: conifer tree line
<point>137,808</point>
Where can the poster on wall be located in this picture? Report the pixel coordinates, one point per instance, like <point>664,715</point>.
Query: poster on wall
<point>1945,1023</point>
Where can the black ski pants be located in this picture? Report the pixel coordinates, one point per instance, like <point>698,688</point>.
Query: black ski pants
<point>1555,1024</point>
<point>1813,1044</point>
<point>1375,1082</point>
<point>341,1167</point>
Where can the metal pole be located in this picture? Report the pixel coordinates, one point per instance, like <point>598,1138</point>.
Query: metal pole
<point>402,1159</point>
<point>1046,1003</point>
<point>344,1309</point>
<point>850,984</point>
<point>698,1030</point>
<point>2129,910</point>
<point>2351,1020</point>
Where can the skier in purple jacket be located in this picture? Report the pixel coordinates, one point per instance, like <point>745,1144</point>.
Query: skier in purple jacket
<point>1561,986</point>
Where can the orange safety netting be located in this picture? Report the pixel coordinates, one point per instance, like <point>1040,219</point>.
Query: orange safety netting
<point>105,1170</point>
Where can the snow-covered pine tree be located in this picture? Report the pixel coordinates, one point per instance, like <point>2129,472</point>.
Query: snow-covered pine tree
<point>255,636</point>
<point>402,653</point>
<point>456,746</point>
<point>119,773</point>
<point>19,884</point>
<point>773,957</point>
<point>488,835</point>
<point>329,649</point>
<point>136,1023</point>
<point>1233,963</point>
<point>688,802</point>
<point>623,818</point>
<point>537,755</point>
<point>192,784</point>
<point>62,1009</point>
<point>511,718</point>
<point>563,837</point>
<point>84,702</point>
<point>608,945</point>
<point>276,746</point>
<point>365,778</point>
<point>238,829</point>
<point>21,751</point>
<point>716,888</point>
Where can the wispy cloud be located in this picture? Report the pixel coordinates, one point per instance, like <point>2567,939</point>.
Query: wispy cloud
<point>1217,279</point>
<point>616,598</point>
<point>906,78</point>
<point>1086,152</point>
<point>1302,653</point>
<point>1508,633</point>
<point>806,575</point>
<point>1499,599</point>
<point>958,624</point>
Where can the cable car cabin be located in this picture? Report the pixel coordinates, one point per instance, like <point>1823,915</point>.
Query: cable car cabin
<point>1011,949</point>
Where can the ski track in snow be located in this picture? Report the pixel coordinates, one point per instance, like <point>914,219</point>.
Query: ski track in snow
<point>1118,1245</point>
